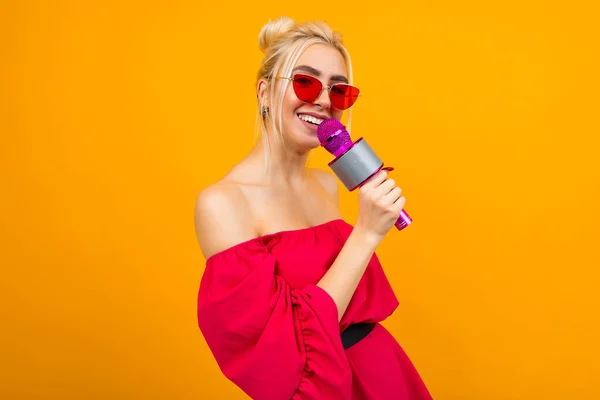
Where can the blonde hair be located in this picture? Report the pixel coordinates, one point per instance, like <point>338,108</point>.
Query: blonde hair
<point>283,41</point>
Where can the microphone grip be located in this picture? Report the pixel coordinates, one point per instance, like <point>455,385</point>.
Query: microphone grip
<point>403,221</point>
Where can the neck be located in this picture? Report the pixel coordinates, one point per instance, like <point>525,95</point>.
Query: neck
<point>285,166</point>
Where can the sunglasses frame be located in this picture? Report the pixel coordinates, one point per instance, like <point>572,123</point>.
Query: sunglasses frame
<point>322,87</point>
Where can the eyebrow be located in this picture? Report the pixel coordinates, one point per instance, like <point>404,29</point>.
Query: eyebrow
<point>314,71</point>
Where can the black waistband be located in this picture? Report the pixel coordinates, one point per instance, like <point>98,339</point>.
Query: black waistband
<point>355,333</point>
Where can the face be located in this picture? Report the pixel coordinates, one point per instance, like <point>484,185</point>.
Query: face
<point>326,64</point>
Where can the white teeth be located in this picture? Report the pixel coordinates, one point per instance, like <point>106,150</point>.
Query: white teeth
<point>311,119</point>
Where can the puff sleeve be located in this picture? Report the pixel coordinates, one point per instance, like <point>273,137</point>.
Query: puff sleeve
<point>272,341</point>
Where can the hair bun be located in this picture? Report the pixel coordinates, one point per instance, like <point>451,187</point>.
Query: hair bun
<point>273,30</point>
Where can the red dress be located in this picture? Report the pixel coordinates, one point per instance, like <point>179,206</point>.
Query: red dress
<point>276,335</point>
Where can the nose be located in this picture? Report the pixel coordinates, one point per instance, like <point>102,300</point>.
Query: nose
<point>323,99</point>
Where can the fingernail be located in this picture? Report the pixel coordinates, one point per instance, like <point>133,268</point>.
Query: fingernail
<point>390,169</point>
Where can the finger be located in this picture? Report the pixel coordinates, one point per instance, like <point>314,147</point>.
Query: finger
<point>392,196</point>
<point>400,203</point>
<point>375,180</point>
<point>384,188</point>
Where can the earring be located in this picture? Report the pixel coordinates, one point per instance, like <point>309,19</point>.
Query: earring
<point>264,111</point>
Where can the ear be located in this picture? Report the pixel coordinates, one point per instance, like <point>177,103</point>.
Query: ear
<point>262,92</point>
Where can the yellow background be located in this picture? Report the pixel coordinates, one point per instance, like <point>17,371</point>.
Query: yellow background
<point>114,115</point>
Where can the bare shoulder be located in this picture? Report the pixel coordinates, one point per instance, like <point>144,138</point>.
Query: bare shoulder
<point>328,180</point>
<point>222,218</point>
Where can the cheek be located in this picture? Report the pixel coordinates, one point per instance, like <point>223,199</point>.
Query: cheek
<point>291,102</point>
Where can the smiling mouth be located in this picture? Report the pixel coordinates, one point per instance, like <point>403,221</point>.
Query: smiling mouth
<point>310,119</point>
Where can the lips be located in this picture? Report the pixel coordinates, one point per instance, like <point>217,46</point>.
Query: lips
<point>312,127</point>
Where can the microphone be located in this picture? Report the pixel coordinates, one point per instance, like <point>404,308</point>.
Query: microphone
<point>354,163</point>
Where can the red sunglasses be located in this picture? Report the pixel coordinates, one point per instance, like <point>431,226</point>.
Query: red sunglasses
<point>308,89</point>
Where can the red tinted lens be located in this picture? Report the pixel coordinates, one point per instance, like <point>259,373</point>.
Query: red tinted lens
<point>343,96</point>
<point>307,88</point>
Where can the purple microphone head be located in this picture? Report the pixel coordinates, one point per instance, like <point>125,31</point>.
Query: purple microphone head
<point>334,137</point>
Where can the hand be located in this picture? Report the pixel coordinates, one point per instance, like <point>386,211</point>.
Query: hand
<point>380,204</point>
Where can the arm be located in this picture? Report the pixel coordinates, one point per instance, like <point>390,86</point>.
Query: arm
<point>222,218</point>
<point>345,273</point>
<point>343,276</point>
<point>267,337</point>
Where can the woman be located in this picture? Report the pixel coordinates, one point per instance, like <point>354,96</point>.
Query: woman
<point>284,273</point>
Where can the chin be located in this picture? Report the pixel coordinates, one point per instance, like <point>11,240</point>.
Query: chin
<point>305,144</point>
<point>303,139</point>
